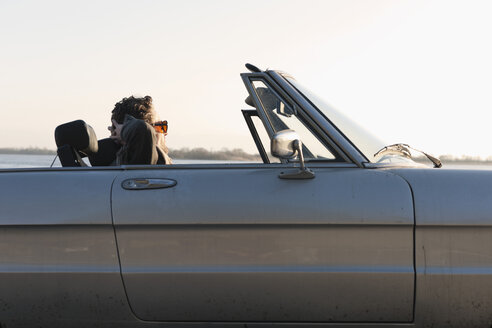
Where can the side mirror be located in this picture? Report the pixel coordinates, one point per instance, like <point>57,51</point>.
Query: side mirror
<point>286,144</point>
<point>282,145</point>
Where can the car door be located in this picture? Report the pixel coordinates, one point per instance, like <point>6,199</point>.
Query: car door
<point>235,243</point>
<point>59,262</point>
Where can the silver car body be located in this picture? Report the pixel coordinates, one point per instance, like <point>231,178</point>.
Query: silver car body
<point>363,243</point>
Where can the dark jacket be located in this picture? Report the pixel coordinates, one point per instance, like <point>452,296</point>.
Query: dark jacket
<point>139,144</point>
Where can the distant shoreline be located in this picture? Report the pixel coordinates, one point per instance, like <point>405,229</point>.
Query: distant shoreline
<point>27,151</point>
<point>465,160</point>
<point>235,155</point>
<point>183,153</point>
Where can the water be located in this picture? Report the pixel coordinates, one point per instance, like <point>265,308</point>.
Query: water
<point>26,161</point>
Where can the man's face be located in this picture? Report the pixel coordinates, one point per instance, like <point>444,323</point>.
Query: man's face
<point>111,129</point>
<point>115,129</point>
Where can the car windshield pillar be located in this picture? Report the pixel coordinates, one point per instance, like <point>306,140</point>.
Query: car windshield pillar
<point>279,113</point>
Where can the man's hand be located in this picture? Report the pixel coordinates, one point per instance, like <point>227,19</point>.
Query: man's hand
<point>116,131</point>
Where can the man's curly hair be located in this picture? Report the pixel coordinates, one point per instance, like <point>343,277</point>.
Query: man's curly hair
<point>140,108</point>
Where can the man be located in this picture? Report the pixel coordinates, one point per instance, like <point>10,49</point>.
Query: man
<point>135,126</point>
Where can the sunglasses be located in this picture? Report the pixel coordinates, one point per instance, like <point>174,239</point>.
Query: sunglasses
<point>160,126</point>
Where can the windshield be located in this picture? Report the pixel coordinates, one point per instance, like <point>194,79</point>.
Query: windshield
<point>367,143</point>
<point>282,117</point>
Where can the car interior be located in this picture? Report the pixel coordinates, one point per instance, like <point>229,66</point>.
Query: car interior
<point>76,140</point>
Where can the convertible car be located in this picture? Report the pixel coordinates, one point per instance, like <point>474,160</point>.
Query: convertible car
<point>333,229</point>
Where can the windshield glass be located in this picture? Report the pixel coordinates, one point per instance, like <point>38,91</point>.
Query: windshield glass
<point>282,117</point>
<point>366,142</point>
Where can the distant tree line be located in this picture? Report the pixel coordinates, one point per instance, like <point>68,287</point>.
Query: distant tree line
<point>464,159</point>
<point>183,153</point>
<point>236,154</point>
<point>28,151</point>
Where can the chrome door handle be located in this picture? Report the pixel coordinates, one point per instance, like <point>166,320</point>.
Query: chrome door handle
<point>142,183</point>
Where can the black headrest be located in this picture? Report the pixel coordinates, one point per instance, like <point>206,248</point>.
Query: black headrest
<point>77,134</point>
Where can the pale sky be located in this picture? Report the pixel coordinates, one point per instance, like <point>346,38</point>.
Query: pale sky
<point>418,72</point>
